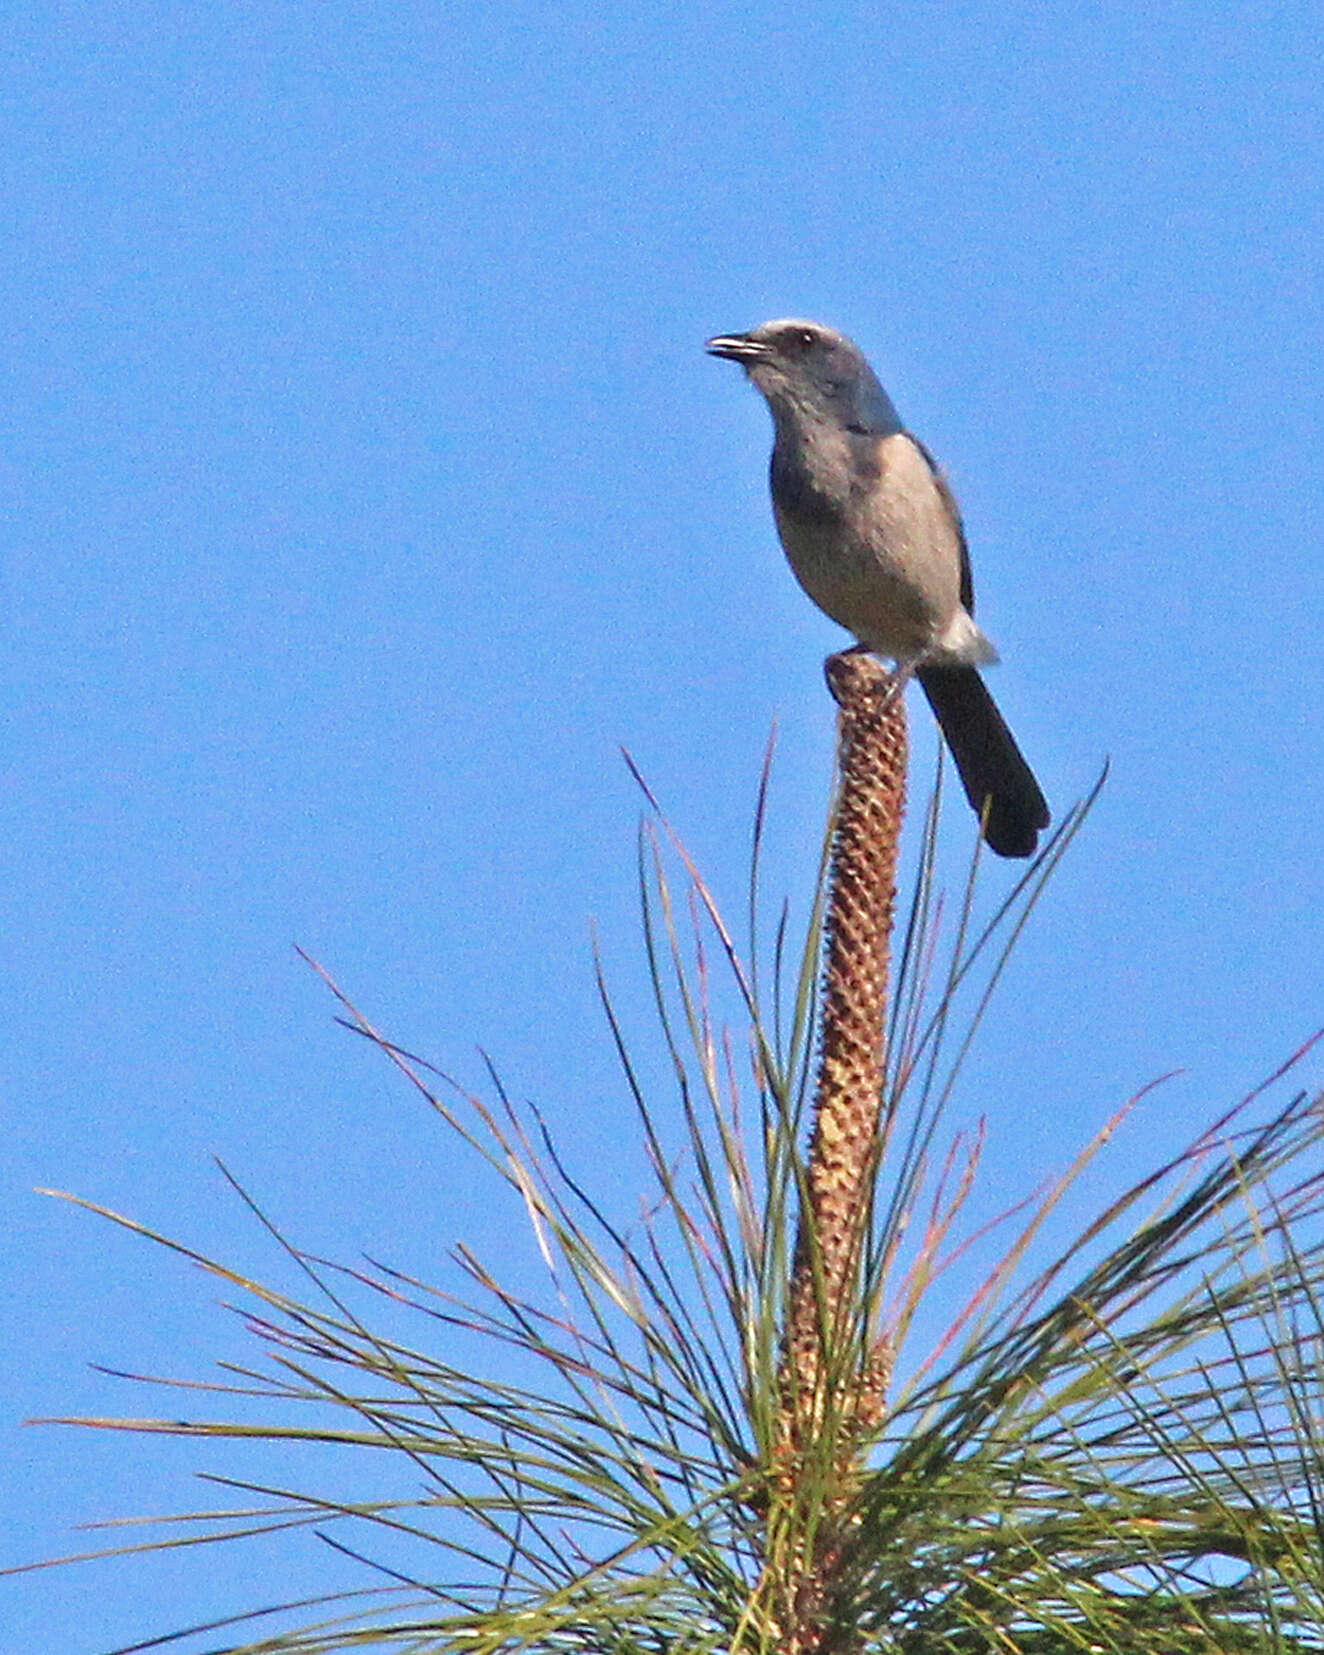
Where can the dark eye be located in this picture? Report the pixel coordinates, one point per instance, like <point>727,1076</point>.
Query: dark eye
<point>806,339</point>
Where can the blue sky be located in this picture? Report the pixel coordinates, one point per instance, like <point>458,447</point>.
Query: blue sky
<point>366,486</point>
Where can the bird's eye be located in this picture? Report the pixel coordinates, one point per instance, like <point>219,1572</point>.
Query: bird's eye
<point>806,338</point>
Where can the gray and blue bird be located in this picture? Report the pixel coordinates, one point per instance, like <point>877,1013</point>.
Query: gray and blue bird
<point>873,534</point>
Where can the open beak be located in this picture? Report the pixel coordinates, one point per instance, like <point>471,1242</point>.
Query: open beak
<point>736,347</point>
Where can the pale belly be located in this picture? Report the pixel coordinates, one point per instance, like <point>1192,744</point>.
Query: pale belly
<point>896,589</point>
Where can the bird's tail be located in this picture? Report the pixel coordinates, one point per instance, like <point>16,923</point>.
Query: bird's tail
<point>991,765</point>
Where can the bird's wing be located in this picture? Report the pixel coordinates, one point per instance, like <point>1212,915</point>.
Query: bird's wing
<point>949,500</point>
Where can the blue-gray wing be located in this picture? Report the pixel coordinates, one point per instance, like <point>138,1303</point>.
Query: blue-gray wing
<point>949,500</point>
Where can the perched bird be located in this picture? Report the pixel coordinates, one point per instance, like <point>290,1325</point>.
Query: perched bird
<point>874,536</point>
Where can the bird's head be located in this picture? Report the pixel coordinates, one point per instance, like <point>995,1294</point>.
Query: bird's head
<point>807,370</point>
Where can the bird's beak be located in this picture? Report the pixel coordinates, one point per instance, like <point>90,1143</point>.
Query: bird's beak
<point>736,347</point>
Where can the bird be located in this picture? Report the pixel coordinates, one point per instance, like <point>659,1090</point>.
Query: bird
<point>873,534</point>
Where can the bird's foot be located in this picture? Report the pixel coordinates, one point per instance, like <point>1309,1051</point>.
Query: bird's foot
<point>858,670</point>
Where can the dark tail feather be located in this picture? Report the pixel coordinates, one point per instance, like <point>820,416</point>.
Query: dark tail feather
<point>990,763</point>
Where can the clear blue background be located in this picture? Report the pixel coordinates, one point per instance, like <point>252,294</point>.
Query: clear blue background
<point>365,484</point>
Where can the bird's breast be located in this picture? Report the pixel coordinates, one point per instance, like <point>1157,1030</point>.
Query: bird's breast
<point>869,537</point>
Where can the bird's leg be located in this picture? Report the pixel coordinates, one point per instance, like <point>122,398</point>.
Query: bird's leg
<point>897,679</point>
<point>902,673</point>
